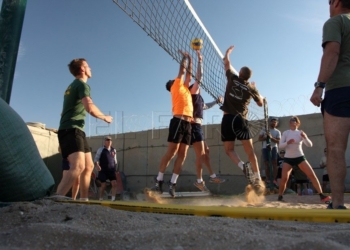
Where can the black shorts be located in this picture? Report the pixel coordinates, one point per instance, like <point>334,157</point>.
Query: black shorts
<point>65,164</point>
<point>196,133</point>
<point>179,131</point>
<point>234,127</point>
<point>325,177</point>
<point>295,161</point>
<point>71,141</point>
<point>106,175</point>
<point>337,102</point>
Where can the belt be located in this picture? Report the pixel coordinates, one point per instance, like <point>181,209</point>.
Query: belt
<point>182,117</point>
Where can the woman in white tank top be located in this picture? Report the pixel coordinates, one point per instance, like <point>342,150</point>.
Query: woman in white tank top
<point>292,141</point>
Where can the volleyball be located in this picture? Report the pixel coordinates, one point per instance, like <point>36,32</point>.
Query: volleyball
<point>197,44</point>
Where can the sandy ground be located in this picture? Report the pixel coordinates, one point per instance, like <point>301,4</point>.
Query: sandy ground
<point>46,224</point>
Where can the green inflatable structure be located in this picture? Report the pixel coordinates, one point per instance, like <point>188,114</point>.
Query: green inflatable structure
<point>23,174</point>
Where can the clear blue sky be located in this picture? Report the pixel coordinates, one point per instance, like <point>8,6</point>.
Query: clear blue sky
<point>279,40</point>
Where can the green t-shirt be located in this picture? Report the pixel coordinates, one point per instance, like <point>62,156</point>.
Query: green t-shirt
<point>73,112</point>
<point>337,29</point>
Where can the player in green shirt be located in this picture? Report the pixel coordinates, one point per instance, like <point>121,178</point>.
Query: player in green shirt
<point>72,139</point>
<point>334,75</point>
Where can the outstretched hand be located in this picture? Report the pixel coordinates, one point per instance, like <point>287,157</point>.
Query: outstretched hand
<point>184,53</point>
<point>200,57</point>
<point>108,118</point>
<point>219,100</point>
<point>229,50</point>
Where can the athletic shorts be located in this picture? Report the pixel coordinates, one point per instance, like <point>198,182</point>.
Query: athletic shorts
<point>196,133</point>
<point>295,161</point>
<point>106,175</point>
<point>265,152</point>
<point>71,141</point>
<point>234,127</point>
<point>179,131</point>
<point>325,177</point>
<point>65,164</point>
<point>337,102</point>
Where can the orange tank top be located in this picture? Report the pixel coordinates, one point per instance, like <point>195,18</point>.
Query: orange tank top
<point>181,99</point>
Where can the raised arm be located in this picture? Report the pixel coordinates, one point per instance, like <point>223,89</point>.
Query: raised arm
<point>195,87</point>
<point>209,105</point>
<point>227,62</point>
<point>183,69</point>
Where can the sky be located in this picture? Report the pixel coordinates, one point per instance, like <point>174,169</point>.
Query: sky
<point>279,40</point>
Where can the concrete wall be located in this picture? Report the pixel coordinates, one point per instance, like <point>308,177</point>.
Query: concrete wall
<point>139,155</point>
<point>47,144</point>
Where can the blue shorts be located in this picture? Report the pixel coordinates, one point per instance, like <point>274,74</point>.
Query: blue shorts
<point>265,152</point>
<point>196,133</point>
<point>337,102</point>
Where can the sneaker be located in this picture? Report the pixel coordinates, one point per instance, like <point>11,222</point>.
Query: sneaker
<point>325,199</point>
<point>330,206</point>
<point>216,180</point>
<point>248,172</point>
<point>280,198</point>
<point>172,189</point>
<point>201,186</point>
<point>158,186</point>
<point>259,187</point>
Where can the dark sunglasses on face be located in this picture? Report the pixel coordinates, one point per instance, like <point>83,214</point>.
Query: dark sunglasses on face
<point>108,139</point>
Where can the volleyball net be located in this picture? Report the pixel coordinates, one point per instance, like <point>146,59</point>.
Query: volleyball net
<point>173,24</point>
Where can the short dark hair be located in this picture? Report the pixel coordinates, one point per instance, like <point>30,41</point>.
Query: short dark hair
<point>74,66</point>
<point>345,4</point>
<point>245,73</point>
<point>169,84</point>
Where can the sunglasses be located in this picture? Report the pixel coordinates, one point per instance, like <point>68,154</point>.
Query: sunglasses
<point>108,139</point>
<point>282,153</point>
<point>293,120</point>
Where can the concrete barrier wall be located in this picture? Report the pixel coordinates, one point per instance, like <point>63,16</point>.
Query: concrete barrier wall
<point>139,155</point>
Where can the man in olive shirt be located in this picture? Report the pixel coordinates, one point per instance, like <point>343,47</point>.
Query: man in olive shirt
<point>234,123</point>
<point>71,136</point>
<point>334,75</point>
